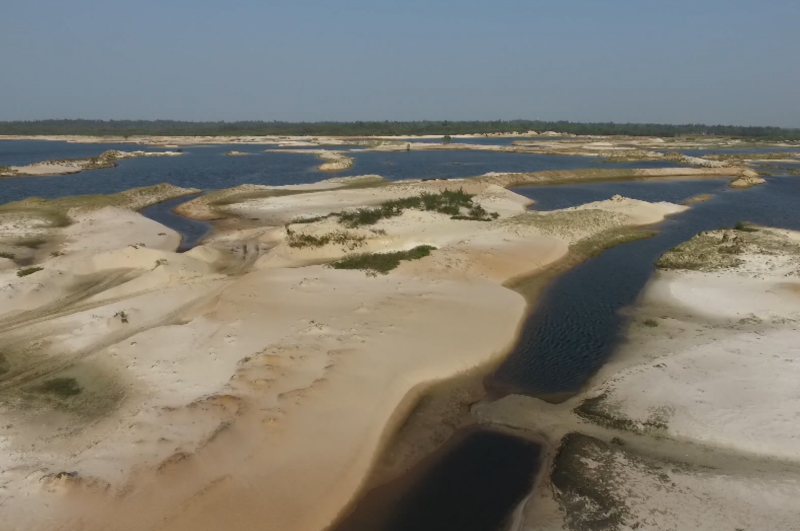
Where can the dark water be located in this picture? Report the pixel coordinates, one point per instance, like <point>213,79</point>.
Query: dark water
<point>473,486</point>
<point>456,164</point>
<point>208,168</point>
<point>191,230</point>
<point>23,152</point>
<point>205,167</point>
<point>565,196</point>
<point>577,321</point>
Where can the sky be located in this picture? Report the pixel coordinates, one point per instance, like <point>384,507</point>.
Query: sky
<point>678,61</point>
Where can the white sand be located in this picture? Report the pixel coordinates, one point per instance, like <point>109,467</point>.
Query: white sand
<point>229,387</point>
<point>708,399</point>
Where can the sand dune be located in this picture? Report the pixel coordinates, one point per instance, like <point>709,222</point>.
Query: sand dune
<point>244,385</point>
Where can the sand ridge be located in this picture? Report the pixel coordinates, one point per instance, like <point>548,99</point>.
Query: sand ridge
<point>242,384</point>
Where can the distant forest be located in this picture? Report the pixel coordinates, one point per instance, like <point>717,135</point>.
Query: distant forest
<point>173,127</point>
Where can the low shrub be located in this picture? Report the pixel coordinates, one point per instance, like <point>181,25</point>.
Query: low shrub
<point>381,263</point>
<point>350,241</point>
<point>450,202</point>
<point>10,256</point>
<point>743,226</point>
<point>28,271</point>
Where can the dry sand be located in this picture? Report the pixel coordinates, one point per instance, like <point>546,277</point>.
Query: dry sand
<point>694,422</point>
<point>71,166</point>
<point>236,386</point>
<point>335,160</point>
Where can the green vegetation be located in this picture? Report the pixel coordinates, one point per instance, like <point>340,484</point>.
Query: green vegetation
<point>707,251</point>
<point>312,219</point>
<point>652,323</point>
<point>28,271</point>
<point>455,203</point>
<point>63,387</point>
<point>172,127</point>
<point>446,139</point>
<point>381,263</point>
<point>10,256</point>
<point>744,226</point>
<point>55,211</point>
<point>350,241</point>
<point>698,199</point>
<point>750,156</point>
<point>31,243</point>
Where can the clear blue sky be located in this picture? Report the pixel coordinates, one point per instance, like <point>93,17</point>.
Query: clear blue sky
<point>711,61</point>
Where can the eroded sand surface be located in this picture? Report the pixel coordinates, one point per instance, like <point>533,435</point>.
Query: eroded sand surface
<point>244,384</point>
<point>694,422</point>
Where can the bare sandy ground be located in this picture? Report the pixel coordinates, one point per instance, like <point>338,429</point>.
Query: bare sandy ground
<point>693,423</point>
<point>243,385</point>
<point>334,160</point>
<point>71,166</point>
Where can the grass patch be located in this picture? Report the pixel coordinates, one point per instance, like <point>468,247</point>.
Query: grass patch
<point>351,241</point>
<point>28,271</point>
<point>697,199</point>
<point>63,387</point>
<point>744,226</point>
<point>652,323</point>
<point>31,243</point>
<point>10,256</point>
<point>381,263</point>
<point>312,219</point>
<point>56,211</point>
<point>457,204</point>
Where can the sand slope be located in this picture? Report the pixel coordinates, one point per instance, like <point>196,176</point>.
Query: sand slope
<point>242,385</point>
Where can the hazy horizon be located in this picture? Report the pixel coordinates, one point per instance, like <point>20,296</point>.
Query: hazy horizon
<point>722,62</point>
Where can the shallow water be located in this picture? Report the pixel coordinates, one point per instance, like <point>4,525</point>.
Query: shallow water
<point>208,168</point>
<point>577,320</point>
<point>192,231</point>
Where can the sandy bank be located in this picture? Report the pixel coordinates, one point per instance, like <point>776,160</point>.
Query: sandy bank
<point>70,166</point>
<point>35,229</point>
<point>692,425</point>
<point>236,385</point>
<point>335,160</point>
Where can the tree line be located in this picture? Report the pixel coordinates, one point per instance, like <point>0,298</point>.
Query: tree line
<point>362,128</point>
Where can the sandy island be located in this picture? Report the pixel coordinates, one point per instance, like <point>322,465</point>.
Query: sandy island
<point>693,425</point>
<point>334,160</point>
<point>245,383</point>
<point>71,166</point>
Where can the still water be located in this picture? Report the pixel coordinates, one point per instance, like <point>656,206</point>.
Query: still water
<point>208,168</point>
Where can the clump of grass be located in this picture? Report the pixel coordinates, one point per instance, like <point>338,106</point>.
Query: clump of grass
<point>312,219</point>
<point>451,202</point>
<point>63,387</point>
<point>381,263</point>
<point>31,243</point>
<point>652,323</point>
<point>351,241</point>
<point>28,271</point>
<point>743,226</point>
<point>10,256</point>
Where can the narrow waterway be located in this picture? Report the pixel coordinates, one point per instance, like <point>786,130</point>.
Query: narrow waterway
<point>472,484</point>
<point>572,332</point>
<point>577,321</point>
<point>191,231</point>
